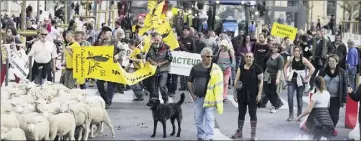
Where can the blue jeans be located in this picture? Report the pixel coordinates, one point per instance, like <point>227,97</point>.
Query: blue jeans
<point>204,119</point>
<point>292,87</point>
<point>352,77</point>
<point>158,82</point>
<point>137,90</point>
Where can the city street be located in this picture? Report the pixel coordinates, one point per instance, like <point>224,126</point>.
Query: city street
<point>133,121</point>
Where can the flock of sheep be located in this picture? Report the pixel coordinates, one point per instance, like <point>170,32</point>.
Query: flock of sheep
<point>34,112</point>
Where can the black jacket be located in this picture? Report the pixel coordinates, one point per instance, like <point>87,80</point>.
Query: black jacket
<point>343,83</point>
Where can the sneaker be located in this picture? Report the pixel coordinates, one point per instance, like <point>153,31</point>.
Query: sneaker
<point>200,139</point>
<point>183,88</point>
<point>253,138</point>
<point>273,110</point>
<point>237,135</point>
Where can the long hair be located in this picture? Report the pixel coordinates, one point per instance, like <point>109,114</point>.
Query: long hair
<point>320,83</point>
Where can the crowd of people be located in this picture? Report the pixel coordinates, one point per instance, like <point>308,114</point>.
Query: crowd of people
<point>257,70</point>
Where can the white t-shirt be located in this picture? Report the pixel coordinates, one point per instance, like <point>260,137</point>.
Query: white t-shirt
<point>322,99</point>
<point>43,52</point>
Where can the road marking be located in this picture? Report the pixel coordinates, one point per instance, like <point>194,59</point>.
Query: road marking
<point>217,135</point>
<point>285,104</point>
<point>231,98</point>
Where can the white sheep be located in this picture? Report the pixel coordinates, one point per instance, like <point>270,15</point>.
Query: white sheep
<point>95,101</point>
<point>100,115</point>
<point>37,128</point>
<point>42,106</point>
<point>12,134</point>
<point>22,103</point>
<point>62,124</point>
<point>9,120</point>
<point>82,117</point>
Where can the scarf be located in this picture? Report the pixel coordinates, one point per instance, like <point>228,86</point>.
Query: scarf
<point>328,71</point>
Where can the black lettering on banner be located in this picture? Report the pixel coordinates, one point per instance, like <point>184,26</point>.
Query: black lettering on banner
<point>189,61</point>
<point>140,77</point>
<point>102,73</point>
<point>115,72</point>
<point>179,60</point>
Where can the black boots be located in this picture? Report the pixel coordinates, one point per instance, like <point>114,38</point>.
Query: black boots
<point>253,130</point>
<point>238,133</point>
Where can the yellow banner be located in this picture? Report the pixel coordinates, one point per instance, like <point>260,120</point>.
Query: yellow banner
<point>97,62</point>
<point>281,30</point>
<point>168,35</point>
<point>151,4</point>
<point>152,19</point>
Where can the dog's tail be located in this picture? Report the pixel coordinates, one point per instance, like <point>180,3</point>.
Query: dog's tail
<point>180,102</point>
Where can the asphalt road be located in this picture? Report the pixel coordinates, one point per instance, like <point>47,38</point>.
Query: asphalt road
<point>133,121</point>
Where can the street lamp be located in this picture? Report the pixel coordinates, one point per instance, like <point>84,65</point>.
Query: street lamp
<point>247,5</point>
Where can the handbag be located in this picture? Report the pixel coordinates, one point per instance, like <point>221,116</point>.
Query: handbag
<point>239,86</point>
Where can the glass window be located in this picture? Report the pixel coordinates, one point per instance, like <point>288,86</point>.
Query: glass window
<point>290,15</point>
<point>331,7</point>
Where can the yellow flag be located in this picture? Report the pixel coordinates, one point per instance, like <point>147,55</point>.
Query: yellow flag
<point>151,4</point>
<point>97,62</point>
<point>152,19</point>
<point>147,43</point>
<point>168,35</point>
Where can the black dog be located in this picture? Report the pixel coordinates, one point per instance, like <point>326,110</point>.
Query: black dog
<point>163,112</point>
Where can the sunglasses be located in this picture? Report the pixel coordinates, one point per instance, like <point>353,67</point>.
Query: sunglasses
<point>43,34</point>
<point>208,56</point>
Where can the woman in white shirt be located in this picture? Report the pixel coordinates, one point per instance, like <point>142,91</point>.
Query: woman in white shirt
<point>319,121</point>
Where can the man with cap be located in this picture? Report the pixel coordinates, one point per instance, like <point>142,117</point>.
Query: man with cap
<point>187,44</point>
<point>106,39</point>
<point>352,60</point>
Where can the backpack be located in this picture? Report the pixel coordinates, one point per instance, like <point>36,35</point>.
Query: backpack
<point>215,60</point>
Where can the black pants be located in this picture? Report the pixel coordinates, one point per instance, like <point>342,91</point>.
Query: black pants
<point>318,63</point>
<point>334,109</point>
<point>172,83</point>
<point>108,93</point>
<point>45,71</point>
<point>270,91</point>
<point>242,110</point>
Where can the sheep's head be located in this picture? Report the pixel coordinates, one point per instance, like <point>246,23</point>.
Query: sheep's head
<point>65,108</point>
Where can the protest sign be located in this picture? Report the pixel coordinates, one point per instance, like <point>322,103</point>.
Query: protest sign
<point>97,62</point>
<point>281,30</point>
<point>183,62</point>
<point>18,61</point>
